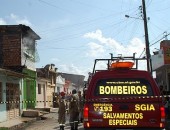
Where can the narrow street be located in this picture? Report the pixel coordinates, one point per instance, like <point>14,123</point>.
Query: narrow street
<point>49,122</point>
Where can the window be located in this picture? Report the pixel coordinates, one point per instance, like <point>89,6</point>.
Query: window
<point>39,88</point>
<point>1,94</point>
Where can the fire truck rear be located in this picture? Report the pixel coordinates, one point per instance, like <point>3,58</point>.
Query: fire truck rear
<point>122,97</point>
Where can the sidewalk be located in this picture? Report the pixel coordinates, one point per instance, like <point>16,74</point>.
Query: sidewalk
<point>16,124</point>
<point>21,122</point>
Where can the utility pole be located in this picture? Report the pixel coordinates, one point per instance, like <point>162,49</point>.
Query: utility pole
<point>148,56</point>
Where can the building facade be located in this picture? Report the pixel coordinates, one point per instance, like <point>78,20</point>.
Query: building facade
<point>41,89</point>
<point>73,81</point>
<point>18,53</point>
<point>60,82</point>
<point>161,65</point>
<point>49,72</point>
<point>11,94</point>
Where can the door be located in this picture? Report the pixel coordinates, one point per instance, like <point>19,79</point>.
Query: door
<point>13,98</point>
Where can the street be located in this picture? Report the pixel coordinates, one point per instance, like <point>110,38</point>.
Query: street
<point>49,122</point>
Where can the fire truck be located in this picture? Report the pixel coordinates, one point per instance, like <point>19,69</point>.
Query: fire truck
<point>123,97</point>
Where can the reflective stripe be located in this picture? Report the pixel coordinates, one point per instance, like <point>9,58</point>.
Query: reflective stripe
<point>62,124</point>
<point>74,122</point>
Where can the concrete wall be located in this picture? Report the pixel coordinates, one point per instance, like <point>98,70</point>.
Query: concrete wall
<point>8,79</point>
<point>3,106</point>
<point>41,97</point>
<point>11,46</point>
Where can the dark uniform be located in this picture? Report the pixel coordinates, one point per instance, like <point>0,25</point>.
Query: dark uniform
<point>74,110</point>
<point>62,111</point>
<point>81,105</point>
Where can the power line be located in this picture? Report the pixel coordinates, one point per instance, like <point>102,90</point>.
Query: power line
<point>142,53</point>
<point>160,39</point>
<point>75,35</point>
<point>52,5</point>
<point>87,21</point>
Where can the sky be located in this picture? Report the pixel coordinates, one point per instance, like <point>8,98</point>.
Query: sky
<point>76,32</point>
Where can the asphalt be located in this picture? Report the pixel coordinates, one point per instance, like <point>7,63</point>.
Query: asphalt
<point>21,122</point>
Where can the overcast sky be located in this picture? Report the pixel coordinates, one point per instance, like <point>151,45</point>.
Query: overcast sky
<point>75,32</point>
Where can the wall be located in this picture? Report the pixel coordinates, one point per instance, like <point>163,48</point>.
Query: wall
<point>60,82</point>
<point>10,41</point>
<point>3,106</point>
<point>49,92</point>
<point>29,88</point>
<point>165,46</point>
<point>28,53</point>
<point>162,77</point>
<point>41,97</point>
<point>8,79</point>
<point>18,40</point>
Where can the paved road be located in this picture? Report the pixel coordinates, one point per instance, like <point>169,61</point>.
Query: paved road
<point>50,123</point>
<point>67,127</point>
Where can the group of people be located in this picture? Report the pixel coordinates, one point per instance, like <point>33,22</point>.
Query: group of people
<point>72,106</point>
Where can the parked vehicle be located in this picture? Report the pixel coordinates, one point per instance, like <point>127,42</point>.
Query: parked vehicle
<point>123,97</point>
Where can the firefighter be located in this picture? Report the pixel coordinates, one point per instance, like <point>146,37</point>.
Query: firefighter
<point>81,105</point>
<point>62,111</point>
<point>74,110</point>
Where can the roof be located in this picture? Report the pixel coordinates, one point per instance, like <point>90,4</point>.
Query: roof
<point>25,29</point>
<point>40,72</point>
<point>77,80</point>
<point>12,73</point>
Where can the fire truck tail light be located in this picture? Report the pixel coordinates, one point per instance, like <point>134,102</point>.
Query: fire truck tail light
<point>161,125</point>
<point>88,124</point>
<point>86,113</point>
<point>162,109</point>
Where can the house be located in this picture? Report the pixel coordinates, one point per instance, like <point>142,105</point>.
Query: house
<point>60,82</point>
<point>11,93</point>
<point>74,81</point>
<point>46,84</point>
<point>161,65</point>
<point>18,54</point>
<point>41,89</point>
<point>67,87</point>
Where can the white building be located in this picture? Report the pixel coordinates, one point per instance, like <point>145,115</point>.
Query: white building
<point>60,82</point>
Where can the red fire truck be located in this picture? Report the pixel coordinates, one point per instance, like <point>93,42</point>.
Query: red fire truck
<point>123,97</point>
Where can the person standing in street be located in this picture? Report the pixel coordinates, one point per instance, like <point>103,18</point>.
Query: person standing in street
<point>62,111</point>
<point>81,105</point>
<point>74,110</point>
